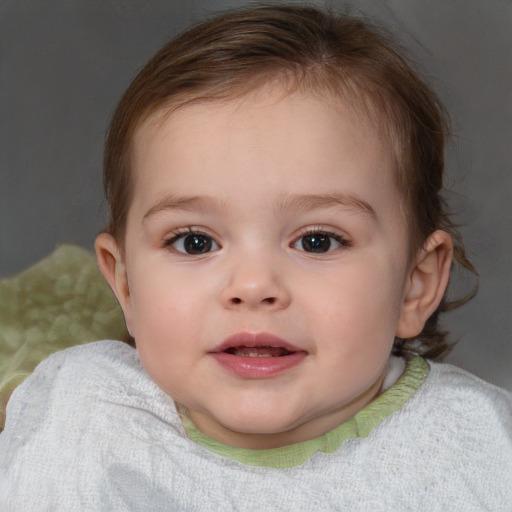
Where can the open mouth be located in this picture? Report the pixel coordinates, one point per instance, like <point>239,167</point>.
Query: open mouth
<point>257,355</point>
<point>263,351</point>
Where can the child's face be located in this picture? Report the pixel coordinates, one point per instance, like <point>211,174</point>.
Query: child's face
<point>270,221</point>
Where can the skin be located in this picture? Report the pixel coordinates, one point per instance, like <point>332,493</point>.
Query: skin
<point>254,177</point>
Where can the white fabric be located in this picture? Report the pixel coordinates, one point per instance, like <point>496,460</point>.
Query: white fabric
<point>89,431</point>
<point>396,367</point>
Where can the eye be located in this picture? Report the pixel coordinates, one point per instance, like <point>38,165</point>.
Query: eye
<point>192,243</point>
<point>319,242</point>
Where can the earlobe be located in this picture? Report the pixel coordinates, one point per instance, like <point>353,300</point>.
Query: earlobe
<point>112,266</point>
<point>426,285</point>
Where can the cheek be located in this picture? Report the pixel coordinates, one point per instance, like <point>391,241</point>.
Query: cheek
<point>159,294</point>
<point>362,299</point>
<point>167,307</point>
<point>164,326</point>
<point>359,325</point>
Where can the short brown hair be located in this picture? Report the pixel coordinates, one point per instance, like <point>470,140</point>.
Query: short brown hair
<point>311,50</point>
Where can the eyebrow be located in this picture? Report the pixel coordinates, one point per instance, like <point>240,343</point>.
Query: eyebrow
<point>185,203</point>
<point>291,202</point>
<point>316,201</point>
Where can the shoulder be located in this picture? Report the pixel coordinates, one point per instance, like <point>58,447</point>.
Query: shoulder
<point>77,382</point>
<point>457,392</point>
<point>98,354</point>
<point>74,372</point>
<point>75,418</point>
<point>452,441</point>
<point>67,380</point>
<point>466,424</point>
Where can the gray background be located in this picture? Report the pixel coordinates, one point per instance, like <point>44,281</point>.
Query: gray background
<point>65,63</point>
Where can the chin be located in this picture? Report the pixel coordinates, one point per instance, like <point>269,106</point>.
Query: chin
<point>262,424</point>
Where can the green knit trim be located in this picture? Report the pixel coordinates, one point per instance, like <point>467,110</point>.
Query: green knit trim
<point>359,425</point>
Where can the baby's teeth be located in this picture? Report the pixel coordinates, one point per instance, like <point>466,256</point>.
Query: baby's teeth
<point>257,351</point>
<point>252,354</point>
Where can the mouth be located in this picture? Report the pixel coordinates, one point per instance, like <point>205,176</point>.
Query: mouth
<point>266,351</point>
<point>247,344</point>
<point>257,356</point>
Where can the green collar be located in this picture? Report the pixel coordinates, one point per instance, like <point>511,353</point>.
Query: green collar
<point>359,425</point>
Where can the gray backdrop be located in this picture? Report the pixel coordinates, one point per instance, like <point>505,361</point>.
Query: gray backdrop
<point>65,63</point>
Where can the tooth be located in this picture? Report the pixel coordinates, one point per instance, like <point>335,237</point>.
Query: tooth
<point>258,351</point>
<point>251,354</point>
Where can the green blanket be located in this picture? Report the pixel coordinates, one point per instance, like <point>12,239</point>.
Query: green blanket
<point>59,302</point>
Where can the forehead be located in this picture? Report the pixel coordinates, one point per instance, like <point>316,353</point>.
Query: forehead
<point>265,102</point>
<point>270,135</point>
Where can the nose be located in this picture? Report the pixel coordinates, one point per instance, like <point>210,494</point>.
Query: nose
<point>255,283</point>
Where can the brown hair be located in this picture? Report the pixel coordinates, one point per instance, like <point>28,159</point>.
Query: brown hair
<point>311,50</point>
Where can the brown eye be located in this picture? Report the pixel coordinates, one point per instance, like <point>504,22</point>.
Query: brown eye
<point>197,244</point>
<point>192,243</point>
<point>319,242</point>
<point>316,243</point>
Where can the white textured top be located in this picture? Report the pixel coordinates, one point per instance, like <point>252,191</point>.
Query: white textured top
<point>90,431</point>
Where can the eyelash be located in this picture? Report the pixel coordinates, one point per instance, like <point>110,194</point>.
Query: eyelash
<point>322,231</point>
<point>318,231</point>
<point>184,232</point>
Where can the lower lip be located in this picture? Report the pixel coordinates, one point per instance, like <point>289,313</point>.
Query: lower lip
<point>258,367</point>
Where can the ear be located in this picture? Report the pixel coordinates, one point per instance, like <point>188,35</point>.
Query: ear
<point>426,284</point>
<point>112,266</point>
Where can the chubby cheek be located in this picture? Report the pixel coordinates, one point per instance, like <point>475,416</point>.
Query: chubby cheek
<point>361,317</point>
<point>159,295</point>
<point>162,323</point>
<point>163,351</point>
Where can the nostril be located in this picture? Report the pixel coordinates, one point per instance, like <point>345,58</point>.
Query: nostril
<point>267,300</point>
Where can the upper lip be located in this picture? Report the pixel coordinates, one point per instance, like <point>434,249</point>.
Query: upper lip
<point>260,339</point>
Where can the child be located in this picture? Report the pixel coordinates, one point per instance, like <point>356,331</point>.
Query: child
<point>280,250</point>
